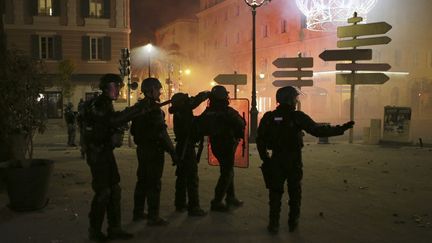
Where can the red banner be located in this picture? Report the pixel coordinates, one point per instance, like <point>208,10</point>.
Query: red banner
<point>241,159</point>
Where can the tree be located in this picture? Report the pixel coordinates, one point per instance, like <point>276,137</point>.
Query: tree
<point>65,70</point>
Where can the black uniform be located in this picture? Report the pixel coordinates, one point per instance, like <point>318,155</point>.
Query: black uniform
<point>80,122</point>
<point>150,134</point>
<point>70,118</point>
<point>226,127</point>
<point>281,131</point>
<point>101,123</point>
<point>187,168</point>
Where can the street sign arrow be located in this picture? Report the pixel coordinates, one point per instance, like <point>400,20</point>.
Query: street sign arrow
<point>343,55</point>
<point>355,20</point>
<point>364,42</point>
<point>361,78</point>
<point>297,74</point>
<point>294,62</point>
<point>234,79</point>
<point>363,29</point>
<point>363,66</point>
<point>297,83</point>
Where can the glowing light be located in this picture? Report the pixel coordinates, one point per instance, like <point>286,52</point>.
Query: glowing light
<point>212,83</point>
<point>149,47</point>
<point>40,97</point>
<point>326,15</point>
<point>187,71</point>
<point>261,75</point>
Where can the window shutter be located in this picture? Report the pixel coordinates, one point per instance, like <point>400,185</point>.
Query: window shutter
<point>85,8</point>
<point>35,46</point>
<point>33,7</point>
<point>56,7</point>
<point>85,51</point>
<point>107,9</point>
<point>107,48</point>
<point>58,54</point>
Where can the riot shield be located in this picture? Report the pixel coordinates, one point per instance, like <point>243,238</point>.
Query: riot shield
<point>241,159</point>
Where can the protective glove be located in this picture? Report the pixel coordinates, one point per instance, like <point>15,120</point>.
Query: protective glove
<point>348,125</point>
<point>204,94</point>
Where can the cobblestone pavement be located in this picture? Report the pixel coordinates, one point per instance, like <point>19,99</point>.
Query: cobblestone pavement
<point>351,193</point>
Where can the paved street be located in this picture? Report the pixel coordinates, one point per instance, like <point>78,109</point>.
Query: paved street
<point>351,193</point>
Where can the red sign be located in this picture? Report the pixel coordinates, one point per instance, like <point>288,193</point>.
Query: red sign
<point>241,159</point>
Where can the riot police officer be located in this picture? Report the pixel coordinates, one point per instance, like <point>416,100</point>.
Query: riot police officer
<point>225,127</point>
<point>150,135</point>
<point>101,125</point>
<point>186,138</point>
<point>70,118</point>
<point>281,131</point>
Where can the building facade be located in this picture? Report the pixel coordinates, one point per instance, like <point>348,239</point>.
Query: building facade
<point>87,34</point>
<point>225,46</point>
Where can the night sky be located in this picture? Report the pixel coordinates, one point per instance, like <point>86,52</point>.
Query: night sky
<point>148,15</point>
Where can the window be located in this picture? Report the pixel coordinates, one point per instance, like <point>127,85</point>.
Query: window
<point>45,7</point>
<point>265,31</point>
<point>96,48</point>
<point>430,60</point>
<point>397,58</point>
<point>415,59</point>
<point>96,8</point>
<point>46,47</point>
<point>283,27</point>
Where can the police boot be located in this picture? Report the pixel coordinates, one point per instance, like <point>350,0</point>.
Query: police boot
<point>139,217</point>
<point>293,218</point>
<point>119,234</point>
<point>218,206</point>
<point>97,235</point>
<point>273,226</point>
<point>274,212</point>
<point>197,211</point>
<point>157,221</point>
<point>234,202</point>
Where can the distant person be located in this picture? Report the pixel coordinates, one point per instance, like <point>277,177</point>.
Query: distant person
<point>70,118</point>
<point>102,125</point>
<point>81,127</point>
<point>187,182</point>
<point>281,132</point>
<point>225,127</point>
<point>150,134</point>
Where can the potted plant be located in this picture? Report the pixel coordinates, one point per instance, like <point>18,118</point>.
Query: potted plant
<point>22,82</point>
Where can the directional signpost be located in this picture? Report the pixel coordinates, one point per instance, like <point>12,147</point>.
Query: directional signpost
<point>293,62</point>
<point>354,78</point>
<point>231,79</point>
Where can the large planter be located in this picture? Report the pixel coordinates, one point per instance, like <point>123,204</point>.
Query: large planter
<point>28,187</point>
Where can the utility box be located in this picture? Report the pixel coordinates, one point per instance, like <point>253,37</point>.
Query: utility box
<point>397,123</point>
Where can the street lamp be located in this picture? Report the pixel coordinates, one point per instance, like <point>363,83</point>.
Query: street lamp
<point>254,4</point>
<point>149,48</point>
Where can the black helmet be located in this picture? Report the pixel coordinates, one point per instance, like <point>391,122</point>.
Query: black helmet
<point>219,92</point>
<point>109,78</point>
<point>178,99</point>
<point>148,84</point>
<point>287,94</point>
